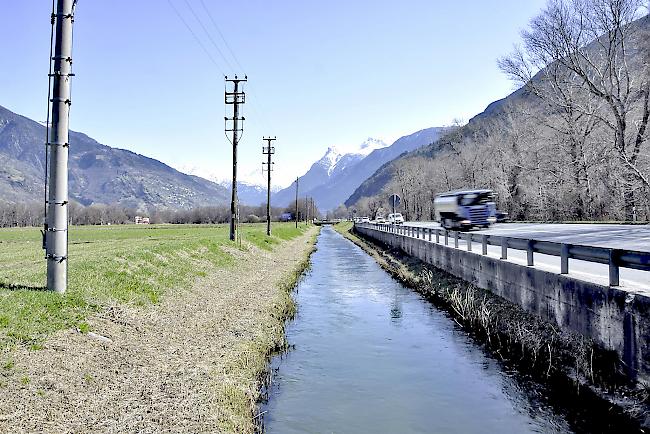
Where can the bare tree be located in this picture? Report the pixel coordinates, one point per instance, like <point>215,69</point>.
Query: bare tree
<point>590,47</point>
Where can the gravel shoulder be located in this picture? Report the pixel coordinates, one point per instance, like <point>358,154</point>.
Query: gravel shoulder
<point>193,363</point>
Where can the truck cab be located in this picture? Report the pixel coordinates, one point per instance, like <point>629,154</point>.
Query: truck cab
<point>465,209</point>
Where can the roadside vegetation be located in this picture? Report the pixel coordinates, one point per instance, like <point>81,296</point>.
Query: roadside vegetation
<point>110,264</point>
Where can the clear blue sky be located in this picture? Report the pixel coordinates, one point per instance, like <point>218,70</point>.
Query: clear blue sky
<point>321,73</point>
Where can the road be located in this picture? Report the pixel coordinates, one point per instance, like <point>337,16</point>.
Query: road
<point>628,237</point>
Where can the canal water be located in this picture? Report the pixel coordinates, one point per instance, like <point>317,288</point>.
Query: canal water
<point>372,356</point>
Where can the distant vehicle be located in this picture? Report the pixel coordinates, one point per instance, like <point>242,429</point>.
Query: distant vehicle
<point>465,209</point>
<point>502,216</point>
<point>396,218</point>
<point>364,220</point>
<point>286,217</point>
<point>380,220</point>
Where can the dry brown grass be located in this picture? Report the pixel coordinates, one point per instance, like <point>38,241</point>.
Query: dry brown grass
<point>193,363</point>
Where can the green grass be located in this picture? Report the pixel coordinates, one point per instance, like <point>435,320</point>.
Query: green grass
<point>343,227</point>
<point>108,265</point>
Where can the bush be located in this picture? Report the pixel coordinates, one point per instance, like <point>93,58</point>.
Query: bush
<point>253,219</point>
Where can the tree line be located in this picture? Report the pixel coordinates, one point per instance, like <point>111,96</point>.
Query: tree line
<point>31,214</point>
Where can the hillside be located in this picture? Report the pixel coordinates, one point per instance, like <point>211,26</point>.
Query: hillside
<point>552,150</point>
<point>98,173</point>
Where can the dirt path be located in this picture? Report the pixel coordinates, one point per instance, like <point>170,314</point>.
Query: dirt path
<point>189,364</point>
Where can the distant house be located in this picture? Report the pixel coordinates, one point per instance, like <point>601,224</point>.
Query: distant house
<point>139,220</point>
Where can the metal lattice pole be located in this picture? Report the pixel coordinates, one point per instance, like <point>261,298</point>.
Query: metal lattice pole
<point>56,230</point>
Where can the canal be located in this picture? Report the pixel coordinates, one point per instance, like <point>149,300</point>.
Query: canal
<point>370,355</point>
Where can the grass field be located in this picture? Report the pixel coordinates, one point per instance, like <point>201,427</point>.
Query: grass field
<point>108,265</point>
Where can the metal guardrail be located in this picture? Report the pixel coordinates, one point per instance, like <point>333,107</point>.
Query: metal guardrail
<point>614,258</point>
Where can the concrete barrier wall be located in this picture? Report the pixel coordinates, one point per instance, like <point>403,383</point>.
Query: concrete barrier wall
<point>616,319</point>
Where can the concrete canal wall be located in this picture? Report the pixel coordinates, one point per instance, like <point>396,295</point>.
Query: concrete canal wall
<point>616,319</point>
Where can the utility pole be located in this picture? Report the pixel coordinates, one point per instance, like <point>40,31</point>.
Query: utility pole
<point>297,202</point>
<point>268,150</point>
<point>310,212</point>
<point>234,98</point>
<point>56,221</point>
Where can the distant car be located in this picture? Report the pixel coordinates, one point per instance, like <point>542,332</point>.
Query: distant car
<point>396,218</point>
<point>364,220</point>
<point>380,220</point>
<point>502,216</point>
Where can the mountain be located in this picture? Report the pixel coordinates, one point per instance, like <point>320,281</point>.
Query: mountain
<point>331,165</point>
<point>249,193</point>
<point>340,187</point>
<point>98,173</point>
<point>346,172</point>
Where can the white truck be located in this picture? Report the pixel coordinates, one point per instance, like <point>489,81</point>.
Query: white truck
<point>465,209</point>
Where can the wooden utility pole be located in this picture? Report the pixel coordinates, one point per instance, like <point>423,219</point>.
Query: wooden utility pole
<point>297,202</point>
<point>234,98</point>
<point>268,150</point>
<point>56,220</point>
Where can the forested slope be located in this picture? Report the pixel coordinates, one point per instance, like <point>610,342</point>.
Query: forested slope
<point>570,144</point>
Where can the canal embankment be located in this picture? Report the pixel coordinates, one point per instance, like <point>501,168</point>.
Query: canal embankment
<point>368,354</point>
<point>553,354</point>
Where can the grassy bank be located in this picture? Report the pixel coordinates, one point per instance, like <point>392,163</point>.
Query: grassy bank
<point>108,265</point>
<point>573,364</point>
<point>249,359</point>
<point>186,322</point>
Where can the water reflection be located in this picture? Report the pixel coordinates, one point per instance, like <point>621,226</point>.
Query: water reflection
<point>371,356</point>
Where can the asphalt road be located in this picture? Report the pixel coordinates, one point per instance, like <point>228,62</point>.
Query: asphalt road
<point>628,237</point>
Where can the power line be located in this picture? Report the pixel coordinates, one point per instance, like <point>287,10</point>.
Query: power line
<point>255,106</point>
<point>196,38</point>
<point>209,35</point>
<point>252,102</point>
<point>232,53</point>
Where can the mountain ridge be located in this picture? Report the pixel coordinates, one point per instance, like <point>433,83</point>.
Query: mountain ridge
<point>332,191</point>
<point>98,173</point>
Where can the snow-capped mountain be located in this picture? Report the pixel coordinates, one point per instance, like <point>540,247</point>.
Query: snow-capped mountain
<point>336,175</point>
<point>330,159</point>
<point>250,188</point>
<point>370,145</point>
<point>336,160</point>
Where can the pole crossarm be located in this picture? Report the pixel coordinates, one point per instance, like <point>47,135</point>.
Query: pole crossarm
<point>236,97</point>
